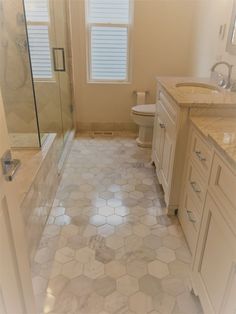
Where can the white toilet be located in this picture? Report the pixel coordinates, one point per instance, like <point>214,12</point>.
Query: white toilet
<point>143,116</point>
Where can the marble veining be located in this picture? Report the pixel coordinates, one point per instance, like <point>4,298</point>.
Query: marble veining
<point>221,131</point>
<point>186,99</point>
<point>108,246</point>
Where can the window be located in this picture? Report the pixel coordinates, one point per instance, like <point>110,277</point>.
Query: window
<point>108,23</point>
<point>38,20</point>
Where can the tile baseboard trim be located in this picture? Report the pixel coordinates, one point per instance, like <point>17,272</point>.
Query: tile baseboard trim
<point>107,126</point>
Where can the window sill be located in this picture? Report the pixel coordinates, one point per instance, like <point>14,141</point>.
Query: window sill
<point>109,82</point>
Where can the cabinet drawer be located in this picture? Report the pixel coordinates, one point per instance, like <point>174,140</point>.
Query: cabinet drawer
<point>190,220</point>
<point>201,153</point>
<point>196,185</point>
<point>169,105</point>
<point>223,182</point>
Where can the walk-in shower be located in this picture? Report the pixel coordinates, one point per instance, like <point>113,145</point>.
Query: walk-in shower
<point>35,70</point>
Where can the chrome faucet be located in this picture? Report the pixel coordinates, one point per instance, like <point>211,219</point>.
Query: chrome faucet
<point>225,83</point>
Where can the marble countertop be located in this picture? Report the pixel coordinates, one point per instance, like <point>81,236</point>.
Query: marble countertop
<point>221,131</point>
<point>193,99</point>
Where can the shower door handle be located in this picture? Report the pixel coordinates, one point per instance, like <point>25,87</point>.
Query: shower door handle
<point>59,58</point>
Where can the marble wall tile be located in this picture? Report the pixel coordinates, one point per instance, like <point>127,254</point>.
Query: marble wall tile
<point>38,201</point>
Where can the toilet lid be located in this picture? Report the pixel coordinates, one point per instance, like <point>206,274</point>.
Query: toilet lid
<point>147,110</point>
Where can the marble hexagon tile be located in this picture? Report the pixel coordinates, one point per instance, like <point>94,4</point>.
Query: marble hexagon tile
<point>109,247</point>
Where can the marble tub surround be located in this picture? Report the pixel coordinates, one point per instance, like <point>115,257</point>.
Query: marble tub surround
<point>187,99</point>
<point>108,246</point>
<point>31,162</point>
<point>36,183</point>
<point>221,131</point>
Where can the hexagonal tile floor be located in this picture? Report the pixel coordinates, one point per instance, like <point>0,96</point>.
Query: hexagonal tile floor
<point>108,246</point>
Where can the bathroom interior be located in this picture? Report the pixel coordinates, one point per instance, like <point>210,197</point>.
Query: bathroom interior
<point>118,156</point>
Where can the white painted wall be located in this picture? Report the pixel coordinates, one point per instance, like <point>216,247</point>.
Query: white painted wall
<point>162,45</point>
<point>208,47</point>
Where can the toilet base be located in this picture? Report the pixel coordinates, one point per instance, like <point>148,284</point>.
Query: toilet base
<point>144,145</point>
<point>145,136</point>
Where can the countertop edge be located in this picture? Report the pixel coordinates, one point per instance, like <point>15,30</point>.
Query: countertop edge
<point>210,138</point>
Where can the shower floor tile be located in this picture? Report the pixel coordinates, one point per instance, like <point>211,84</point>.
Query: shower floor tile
<point>106,248</point>
<point>27,140</point>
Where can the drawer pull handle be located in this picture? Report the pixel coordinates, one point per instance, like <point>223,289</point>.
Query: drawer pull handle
<point>191,216</point>
<point>199,156</point>
<point>162,125</point>
<point>195,188</point>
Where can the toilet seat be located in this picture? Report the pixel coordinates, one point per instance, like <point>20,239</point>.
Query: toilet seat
<point>144,110</point>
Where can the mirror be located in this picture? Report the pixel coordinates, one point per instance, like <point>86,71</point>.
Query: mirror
<point>231,40</point>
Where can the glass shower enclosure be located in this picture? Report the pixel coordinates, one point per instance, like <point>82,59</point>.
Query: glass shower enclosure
<point>35,76</point>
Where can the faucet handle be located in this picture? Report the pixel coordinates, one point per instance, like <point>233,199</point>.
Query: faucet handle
<point>218,78</point>
<point>225,82</point>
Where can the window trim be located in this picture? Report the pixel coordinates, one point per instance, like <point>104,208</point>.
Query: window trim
<point>129,27</point>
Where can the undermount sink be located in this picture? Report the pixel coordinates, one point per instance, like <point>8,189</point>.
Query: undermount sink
<point>199,88</point>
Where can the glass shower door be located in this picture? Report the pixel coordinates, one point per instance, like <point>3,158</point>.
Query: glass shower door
<point>47,25</point>
<point>60,9</point>
<point>15,76</point>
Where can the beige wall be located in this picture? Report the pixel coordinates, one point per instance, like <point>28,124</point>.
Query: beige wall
<point>162,43</point>
<point>208,46</point>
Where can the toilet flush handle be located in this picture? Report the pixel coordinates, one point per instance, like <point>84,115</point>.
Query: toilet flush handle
<point>162,125</point>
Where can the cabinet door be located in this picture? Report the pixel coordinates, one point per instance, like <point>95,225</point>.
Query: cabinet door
<point>216,267</point>
<point>158,143</point>
<point>189,219</point>
<point>154,138</point>
<point>168,144</point>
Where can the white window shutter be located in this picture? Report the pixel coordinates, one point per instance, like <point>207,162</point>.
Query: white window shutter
<point>109,39</point>
<point>37,10</point>
<point>109,11</point>
<point>40,51</point>
<point>109,53</point>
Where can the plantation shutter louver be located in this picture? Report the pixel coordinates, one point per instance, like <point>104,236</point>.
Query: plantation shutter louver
<point>36,10</point>
<point>37,16</point>
<point>109,11</point>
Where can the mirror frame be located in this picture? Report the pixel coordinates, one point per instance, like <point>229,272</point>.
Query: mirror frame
<point>230,48</point>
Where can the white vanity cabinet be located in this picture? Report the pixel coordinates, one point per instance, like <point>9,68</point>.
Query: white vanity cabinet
<point>207,215</point>
<point>171,128</point>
